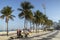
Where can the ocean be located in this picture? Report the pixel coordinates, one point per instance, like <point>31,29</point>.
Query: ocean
<point>5,30</point>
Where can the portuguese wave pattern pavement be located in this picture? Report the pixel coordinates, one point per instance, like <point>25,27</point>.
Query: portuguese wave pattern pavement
<point>48,36</point>
<point>57,37</point>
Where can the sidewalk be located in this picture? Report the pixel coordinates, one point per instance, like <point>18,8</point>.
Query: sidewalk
<point>57,37</point>
<point>31,35</point>
<point>38,34</point>
<point>45,37</point>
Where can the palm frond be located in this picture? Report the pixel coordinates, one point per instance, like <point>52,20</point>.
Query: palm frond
<point>21,15</point>
<point>20,9</point>
<point>6,11</point>
<point>2,16</point>
<point>10,17</point>
<point>26,5</point>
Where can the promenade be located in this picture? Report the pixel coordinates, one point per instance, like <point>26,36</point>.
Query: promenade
<point>13,34</point>
<point>45,36</point>
<point>42,35</point>
<point>57,37</point>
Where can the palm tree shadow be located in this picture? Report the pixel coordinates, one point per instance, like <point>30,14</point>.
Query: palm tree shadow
<point>25,39</point>
<point>45,39</point>
<point>49,37</point>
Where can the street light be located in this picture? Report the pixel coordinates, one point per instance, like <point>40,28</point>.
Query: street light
<point>44,7</point>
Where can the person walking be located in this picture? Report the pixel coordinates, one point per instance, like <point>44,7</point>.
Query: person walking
<point>19,33</point>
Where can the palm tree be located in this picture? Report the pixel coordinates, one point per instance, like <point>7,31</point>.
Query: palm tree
<point>45,19</point>
<point>6,13</point>
<point>25,11</point>
<point>33,23</point>
<point>37,18</point>
<point>30,17</point>
<point>49,23</point>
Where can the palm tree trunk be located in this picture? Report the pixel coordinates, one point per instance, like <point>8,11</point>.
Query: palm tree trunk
<point>7,28</point>
<point>7,25</point>
<point>30,24</point>
<point>33,27</point>
<point>43,28</point>
<point>24,23</point>
<point>36,28</point>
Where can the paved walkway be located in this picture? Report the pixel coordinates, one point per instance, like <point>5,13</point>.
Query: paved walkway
<point>2,37</point>
<point>31,37</point>
<point>47,36</point>
<point>42,37</point>
<point>57,37</point>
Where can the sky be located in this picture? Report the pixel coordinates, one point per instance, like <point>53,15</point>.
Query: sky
<point>52,11</point>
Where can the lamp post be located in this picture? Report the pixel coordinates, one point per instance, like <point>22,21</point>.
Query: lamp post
<point>44,7</point>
